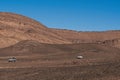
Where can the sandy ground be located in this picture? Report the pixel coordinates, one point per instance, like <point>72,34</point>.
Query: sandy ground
<point>103,63</point>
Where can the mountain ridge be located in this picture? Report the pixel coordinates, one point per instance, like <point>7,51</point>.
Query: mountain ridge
<point>15,28</point>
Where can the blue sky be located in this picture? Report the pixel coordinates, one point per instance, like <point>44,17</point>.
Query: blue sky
<point>81,15</point>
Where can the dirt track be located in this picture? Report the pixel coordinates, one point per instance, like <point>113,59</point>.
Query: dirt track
<point>59,62</point>
<point>109,71</point>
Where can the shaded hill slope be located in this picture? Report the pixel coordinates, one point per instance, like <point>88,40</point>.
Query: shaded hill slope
<point>61,51</point>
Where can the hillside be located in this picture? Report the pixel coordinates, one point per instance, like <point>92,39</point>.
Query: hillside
<point>15,28</point>
<point>111,38</point>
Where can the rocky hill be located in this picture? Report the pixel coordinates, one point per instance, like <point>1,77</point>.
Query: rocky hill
<point>111,38</point>
<point>15,28</point>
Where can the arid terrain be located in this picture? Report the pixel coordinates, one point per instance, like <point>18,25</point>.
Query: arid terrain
<point>43,53</point>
